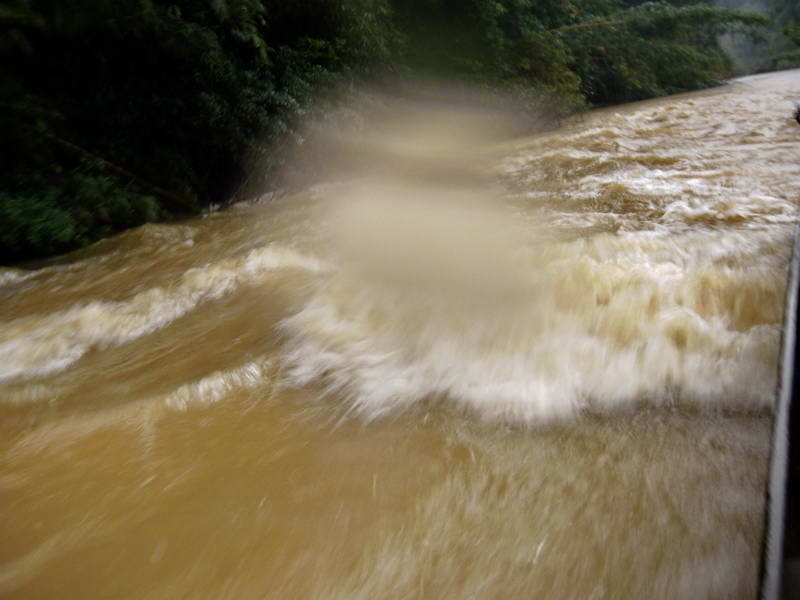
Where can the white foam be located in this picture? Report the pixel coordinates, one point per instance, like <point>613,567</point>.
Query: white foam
<point>12,276</point>
<point>598,325</point>
<point>216,386</point>
<point>41,345</point>
<point>681,302</point>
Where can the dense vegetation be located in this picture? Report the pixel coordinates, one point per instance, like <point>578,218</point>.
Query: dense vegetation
<point>786,52</point>
<point>118,113</point>
<point>779,46</point>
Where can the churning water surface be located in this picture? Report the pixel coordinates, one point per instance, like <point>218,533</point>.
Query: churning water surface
<point>540,369</point>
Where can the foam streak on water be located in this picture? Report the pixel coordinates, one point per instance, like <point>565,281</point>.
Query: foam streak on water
<point>45,344</point>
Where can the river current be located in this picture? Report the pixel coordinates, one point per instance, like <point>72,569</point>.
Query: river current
<point>540,369</point>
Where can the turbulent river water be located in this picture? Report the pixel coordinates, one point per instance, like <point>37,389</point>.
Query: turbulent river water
<point>550,380</point>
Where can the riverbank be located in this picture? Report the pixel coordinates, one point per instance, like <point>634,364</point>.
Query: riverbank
<point>118,115</point>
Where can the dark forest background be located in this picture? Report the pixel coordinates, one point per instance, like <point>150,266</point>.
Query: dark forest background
<point>118,113</point>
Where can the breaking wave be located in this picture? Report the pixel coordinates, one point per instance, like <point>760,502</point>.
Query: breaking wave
<point>447,304</point>
<point>42,345</point>
<point>642,280</point>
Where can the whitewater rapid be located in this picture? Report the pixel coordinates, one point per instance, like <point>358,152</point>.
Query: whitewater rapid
<point>466,366</point>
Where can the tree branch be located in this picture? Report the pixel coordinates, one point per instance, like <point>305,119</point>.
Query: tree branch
<point>169,197</point>
<point>588,25</point>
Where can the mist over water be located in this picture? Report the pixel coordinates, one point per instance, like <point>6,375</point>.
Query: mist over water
<point>471,364</point>
<point>446,289</point>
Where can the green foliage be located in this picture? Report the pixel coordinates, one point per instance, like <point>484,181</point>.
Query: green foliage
<point>35,225</point>
<point>654,48</point>
<point>778,49</point>
<point>170,99</point>
<point>790,56</point>
<point>784,51</point>
<point>117,113</point>
<point>604,51</point>
<point>70,209</point>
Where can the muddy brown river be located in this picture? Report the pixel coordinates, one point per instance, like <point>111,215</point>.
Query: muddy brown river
<point>551,380</point>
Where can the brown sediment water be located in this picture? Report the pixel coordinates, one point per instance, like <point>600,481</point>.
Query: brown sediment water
<point>559,385</point>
